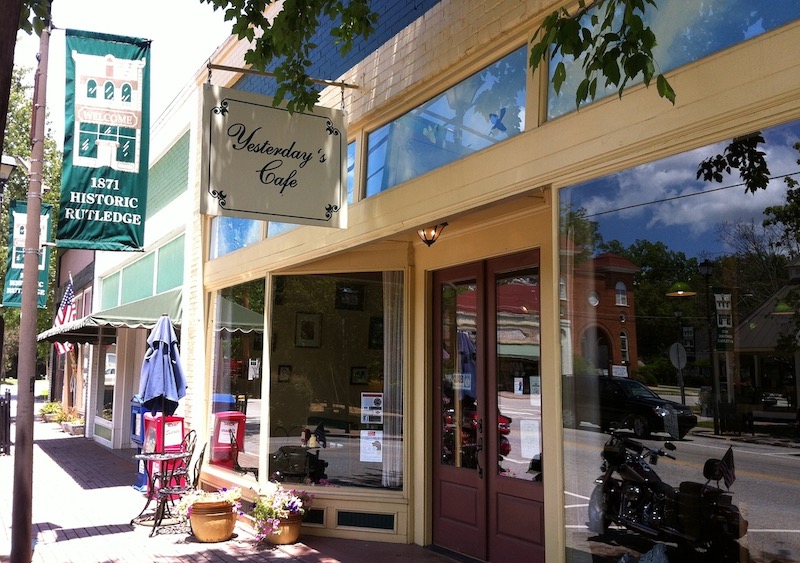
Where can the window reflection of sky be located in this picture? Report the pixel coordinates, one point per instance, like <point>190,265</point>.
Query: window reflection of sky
<point>484,109</point>
<point>233,233</point>
<point>688,30</point>
<point>664,201</point>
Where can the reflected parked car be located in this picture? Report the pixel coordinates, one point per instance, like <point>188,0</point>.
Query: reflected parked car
<point>622,402</point>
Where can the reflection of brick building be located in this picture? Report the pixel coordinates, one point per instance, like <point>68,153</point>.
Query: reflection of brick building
<point>599,300</point>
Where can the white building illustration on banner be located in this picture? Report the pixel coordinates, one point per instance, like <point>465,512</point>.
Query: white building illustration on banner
<point>108,112</point>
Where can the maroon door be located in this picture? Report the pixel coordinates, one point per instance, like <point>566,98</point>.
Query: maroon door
<point>488,498</point>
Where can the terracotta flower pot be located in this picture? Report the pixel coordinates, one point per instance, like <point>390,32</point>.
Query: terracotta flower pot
<point>288,531</point>
<point>212,521</point>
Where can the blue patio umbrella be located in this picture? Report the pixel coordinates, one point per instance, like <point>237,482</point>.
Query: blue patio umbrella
<point>162,383</point>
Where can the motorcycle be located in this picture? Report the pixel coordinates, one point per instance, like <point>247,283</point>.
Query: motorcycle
<point>630,494</point>
<point>469,438</point>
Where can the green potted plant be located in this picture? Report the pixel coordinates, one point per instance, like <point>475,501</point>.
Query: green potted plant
<point>278,514</point>
<point>50,411</point>
<point>212,514</point>
<point>72,422</point>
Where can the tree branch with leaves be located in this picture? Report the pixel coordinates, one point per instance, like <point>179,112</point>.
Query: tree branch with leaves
<point>286,41</point>
<point>609,39</point>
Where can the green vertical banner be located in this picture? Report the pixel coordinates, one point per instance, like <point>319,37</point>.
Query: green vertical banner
<point>17,222</point>
<point>106,142</point>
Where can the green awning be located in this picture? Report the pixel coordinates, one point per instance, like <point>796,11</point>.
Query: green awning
<point>233,317</point>
<point>143,313</point>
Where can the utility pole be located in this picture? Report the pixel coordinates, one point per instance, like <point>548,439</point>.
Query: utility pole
<point>21,519</point>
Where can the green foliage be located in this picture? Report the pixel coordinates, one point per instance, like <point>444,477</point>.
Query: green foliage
<point>286,39</point>
<point>612,44</point>
<point>582,232</point>
<point>582,366</point>
<point>34,16</point>
<point>787,216</point>
<point>742,154</point>
<point>17,142</point>
<point>52,407</point>
<point>658,371</point>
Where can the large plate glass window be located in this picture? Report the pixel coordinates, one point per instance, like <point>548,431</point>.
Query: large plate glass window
<point>719,360</point>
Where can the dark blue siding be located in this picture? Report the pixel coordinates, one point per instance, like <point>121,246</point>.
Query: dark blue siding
<point>328,63</point>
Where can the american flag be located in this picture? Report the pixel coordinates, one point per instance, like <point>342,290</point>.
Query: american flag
<point>66,313</point>
<point>320,434</point>
<point>727,468</point>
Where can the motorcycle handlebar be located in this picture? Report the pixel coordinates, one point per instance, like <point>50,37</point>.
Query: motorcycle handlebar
<point>638,447</point>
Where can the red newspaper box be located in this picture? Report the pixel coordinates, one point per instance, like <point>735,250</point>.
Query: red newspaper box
<point>172,436</point>
<point>226,422</point>
<point>172,433</point>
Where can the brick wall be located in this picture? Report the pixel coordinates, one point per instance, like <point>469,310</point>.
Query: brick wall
<point>168,177</point>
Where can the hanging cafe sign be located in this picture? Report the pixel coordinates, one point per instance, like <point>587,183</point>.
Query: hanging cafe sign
<point>263,162</point>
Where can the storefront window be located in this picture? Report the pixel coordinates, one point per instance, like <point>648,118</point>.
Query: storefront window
<point>336,385</point>
<point>700,368</point>
<point>484,109</point>
<point>236,408</point>
<point>105,397</point>
<point>686,30</point>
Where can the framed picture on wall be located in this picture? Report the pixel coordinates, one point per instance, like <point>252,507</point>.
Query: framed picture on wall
<point>375,340</point>
<point>350,296</point>
<point>359,376</point>
<point>307,330</point>
<point>284,373</point>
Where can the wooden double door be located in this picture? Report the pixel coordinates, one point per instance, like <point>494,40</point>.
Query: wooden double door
<point>488,495</point>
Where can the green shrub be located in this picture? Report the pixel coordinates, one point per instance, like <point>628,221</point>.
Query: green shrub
<point>52,407</point>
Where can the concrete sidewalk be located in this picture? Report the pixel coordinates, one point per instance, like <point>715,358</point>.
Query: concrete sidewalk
<point>83,502</point>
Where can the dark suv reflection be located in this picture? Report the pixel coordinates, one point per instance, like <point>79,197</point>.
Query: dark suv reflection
<point>623,402</point>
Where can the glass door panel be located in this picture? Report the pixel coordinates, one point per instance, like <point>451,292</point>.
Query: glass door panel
<point>518,377</point>
<point>460,421</point>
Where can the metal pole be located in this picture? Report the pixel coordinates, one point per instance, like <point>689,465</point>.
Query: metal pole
<point>21,519</point>
<point>712,356</point>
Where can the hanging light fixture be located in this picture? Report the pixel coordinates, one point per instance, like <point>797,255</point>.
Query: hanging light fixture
<point>429,235</point>
<point>7,165</point>
<point>680,289</point>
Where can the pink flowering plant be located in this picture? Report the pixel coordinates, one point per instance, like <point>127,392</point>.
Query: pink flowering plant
<point>277,505</point>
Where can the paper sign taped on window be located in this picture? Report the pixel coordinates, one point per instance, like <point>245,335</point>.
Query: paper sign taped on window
<point>225,429</point>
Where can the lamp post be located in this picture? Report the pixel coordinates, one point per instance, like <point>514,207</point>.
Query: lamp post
<point>677,351</point>
<point>680,353</point>
<point>21,517</point>
<point>706,270</point>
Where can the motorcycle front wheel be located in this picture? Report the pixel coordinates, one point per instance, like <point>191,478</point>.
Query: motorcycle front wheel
<point>598,521</point>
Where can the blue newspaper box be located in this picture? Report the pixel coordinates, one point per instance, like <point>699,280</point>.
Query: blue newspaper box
<point>137,437</point>
<point>221,402</point>
<point>137,420</point>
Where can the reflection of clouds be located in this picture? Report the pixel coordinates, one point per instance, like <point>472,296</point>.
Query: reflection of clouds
<point>666,194</point>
